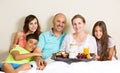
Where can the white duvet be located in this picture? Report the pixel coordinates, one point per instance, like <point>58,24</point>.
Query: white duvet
<point>79,67</point>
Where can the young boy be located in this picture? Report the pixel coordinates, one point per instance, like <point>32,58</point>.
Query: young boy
<point>19,58</point>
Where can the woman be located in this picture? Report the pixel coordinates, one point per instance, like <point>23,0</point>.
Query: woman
<point>79,40</point>
<point>31,26</point>
<point>105,44</point>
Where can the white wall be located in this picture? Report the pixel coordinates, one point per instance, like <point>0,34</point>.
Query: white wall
<point>13,13</point>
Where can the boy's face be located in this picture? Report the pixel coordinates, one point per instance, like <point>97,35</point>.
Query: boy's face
<point>31,44</point>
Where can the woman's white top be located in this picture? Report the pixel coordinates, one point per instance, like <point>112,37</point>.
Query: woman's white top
<point>70,42</point>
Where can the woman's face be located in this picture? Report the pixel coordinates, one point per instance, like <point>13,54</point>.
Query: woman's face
<point>98,32</point>
<point>33,25</point>
<point>78,25</point>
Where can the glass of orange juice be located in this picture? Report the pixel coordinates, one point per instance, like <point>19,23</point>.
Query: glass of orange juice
<point>86,51</point>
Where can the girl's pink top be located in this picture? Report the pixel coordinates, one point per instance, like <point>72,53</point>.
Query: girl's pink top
<point>22,41</point>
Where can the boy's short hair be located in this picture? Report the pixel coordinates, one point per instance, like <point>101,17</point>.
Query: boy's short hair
<point>32,36</point>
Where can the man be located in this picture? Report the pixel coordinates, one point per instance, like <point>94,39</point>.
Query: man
<point>50,41</point>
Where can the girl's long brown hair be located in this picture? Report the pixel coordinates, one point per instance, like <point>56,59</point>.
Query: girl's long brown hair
<point>104,53</point>
<point>28,19</point>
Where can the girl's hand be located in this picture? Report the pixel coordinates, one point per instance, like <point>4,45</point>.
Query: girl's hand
<point>97,57</point>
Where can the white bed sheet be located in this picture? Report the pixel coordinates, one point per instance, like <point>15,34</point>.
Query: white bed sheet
<point>80,67</point>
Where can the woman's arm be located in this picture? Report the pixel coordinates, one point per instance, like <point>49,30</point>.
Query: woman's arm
<point>15,40</point>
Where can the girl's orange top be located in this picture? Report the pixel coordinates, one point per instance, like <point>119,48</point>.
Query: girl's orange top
<point>22,40</point>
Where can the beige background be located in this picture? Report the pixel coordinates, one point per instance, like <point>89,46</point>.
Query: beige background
<point>13,13</point>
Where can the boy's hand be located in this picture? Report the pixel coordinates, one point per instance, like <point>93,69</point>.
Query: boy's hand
<point>41,64</point>
<point>41,67</point>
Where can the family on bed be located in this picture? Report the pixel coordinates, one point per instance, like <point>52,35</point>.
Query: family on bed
<point>30,44</point>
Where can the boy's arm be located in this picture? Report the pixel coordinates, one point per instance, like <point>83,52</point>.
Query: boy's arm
<point>17,56</point>
<point>38,58</point>
<point>39,61</point>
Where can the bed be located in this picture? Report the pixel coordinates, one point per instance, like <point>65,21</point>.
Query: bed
<point>76,67</point>
<point>79,67</point>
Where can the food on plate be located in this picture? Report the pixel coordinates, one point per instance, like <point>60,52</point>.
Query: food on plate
<point>62,54</point>
<point>65,55</point>
<point>58,54</point>
<point>83,56</point>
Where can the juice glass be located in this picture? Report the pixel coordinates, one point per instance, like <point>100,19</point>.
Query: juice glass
<point>86,51</point>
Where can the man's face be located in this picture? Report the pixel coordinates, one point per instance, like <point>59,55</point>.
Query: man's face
<point>59,23</point>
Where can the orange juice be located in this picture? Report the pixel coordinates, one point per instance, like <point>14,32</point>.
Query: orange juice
<point>86,51</point>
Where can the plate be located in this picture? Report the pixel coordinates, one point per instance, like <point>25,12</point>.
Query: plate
<point>68,60</point>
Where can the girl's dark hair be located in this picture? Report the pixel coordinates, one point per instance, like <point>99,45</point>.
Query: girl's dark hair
<point>104,53</point>
<point>31,36</point>
<point>28,19</point>
<point>104,40</point>
<point>78,16</point>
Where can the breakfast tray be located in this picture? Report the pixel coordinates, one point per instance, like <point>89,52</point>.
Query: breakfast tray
<point>68,60</point>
